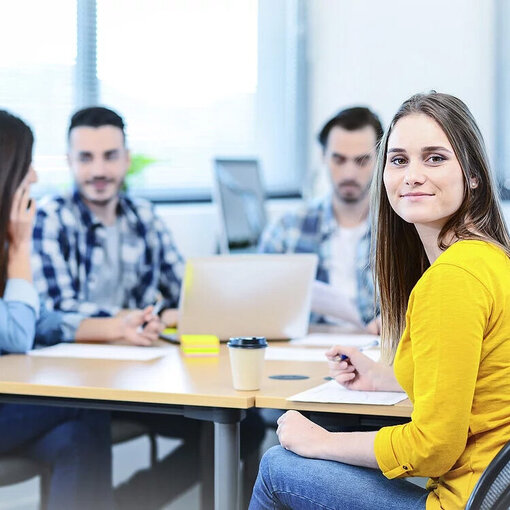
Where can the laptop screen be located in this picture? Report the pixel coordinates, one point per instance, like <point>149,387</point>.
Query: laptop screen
<point>247,295</point>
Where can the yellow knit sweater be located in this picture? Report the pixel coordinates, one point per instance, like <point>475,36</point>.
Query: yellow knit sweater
<point>453,361</point>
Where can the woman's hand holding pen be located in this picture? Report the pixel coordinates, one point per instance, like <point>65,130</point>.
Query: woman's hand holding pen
<point>355,371</point>
<point>352,369</point>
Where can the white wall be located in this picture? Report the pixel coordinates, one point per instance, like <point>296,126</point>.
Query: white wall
<point>379,53</point>
<point>195,226</point>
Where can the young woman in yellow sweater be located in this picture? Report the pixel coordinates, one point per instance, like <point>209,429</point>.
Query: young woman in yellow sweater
<point>443,272</point>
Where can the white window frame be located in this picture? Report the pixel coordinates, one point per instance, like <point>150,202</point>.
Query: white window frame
<point>502,96</point>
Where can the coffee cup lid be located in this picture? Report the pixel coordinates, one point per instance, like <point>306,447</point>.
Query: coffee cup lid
<point>248,342</point>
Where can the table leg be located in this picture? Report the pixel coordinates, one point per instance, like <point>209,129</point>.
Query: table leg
<point>226,466</point>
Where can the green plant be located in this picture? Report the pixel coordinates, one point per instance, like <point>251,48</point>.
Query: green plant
<point>138,164</point>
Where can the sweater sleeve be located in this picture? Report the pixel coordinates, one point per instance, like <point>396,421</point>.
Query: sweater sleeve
<point>19,309</point>
<point>447,319</point>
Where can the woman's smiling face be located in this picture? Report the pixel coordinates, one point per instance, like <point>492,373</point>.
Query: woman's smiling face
<point>422,176</point>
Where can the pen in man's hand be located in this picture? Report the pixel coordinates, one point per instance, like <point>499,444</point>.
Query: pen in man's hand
<point>158,306</point>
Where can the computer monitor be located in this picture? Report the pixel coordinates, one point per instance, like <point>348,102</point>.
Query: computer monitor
<point>240,195</point>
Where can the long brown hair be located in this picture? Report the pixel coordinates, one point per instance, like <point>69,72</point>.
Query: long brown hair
<point>400,258</point>
<point>16,141</point>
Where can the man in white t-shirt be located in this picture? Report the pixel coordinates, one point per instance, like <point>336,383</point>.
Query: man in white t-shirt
<point>337,227</point>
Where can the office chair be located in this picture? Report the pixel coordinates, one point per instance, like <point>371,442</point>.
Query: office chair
<point>123,430</point>
<point>15,469</point>
<point>492,491</point>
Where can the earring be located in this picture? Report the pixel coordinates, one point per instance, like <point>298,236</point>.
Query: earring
<point>473,184</point>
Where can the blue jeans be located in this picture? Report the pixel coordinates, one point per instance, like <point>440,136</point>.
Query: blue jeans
<point>74,443</point>
<point>287,480</point>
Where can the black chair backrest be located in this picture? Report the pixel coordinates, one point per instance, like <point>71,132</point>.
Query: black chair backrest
<point>492,492</point>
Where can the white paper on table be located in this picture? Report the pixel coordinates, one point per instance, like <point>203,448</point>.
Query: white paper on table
<point>295,354</point>
<point>333,393</point>
<point>299,354</point>
<point>373,354</point>
<point>93,351</point>
<point>328,300</point>
<point>327,340</point>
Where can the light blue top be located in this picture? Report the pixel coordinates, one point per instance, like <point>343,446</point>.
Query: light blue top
<point>22,318</point>
<point>19,310</point>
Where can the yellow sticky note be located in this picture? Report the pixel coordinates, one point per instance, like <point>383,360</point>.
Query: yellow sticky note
<point>200,345</point>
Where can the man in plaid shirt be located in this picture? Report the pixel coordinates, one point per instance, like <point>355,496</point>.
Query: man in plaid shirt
<point>100,258</point>
<point>336,227</point>
<point>98,253</point>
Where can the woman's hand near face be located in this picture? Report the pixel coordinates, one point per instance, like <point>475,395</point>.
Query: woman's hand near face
<point>20,234</point>
<point>359,372</point>
<point>21,219</point>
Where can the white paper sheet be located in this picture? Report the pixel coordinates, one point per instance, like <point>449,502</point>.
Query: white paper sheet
<point>295,354</point>
<point>299,354</point>
<point>333,393</point>
<point>327,340</point>
<point>94,351</point>
<point>373,354</point>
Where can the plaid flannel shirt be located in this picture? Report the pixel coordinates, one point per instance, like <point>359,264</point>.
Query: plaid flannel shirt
<point>68,253</point>
<point>310,231</point>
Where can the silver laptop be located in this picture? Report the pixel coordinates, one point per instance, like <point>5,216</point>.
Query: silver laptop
<point>247,295</point>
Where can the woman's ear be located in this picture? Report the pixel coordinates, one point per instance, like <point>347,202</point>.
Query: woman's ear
<point>473,182</point>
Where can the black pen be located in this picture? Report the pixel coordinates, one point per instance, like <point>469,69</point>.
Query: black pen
<point>344,357</point>
<point>158,306</point>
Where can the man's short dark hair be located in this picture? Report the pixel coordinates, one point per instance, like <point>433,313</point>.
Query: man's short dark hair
<point>351,119</point>
<point>96,116</point>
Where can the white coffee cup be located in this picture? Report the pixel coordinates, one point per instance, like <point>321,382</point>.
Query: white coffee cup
<point>247,361</point>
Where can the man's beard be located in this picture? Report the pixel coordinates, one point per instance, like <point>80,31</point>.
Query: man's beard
<point>101,202</point>
<point>348,198</point>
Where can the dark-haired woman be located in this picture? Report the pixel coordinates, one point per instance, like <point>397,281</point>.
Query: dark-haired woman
<point>443,272</point>
<point>75,444</point>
